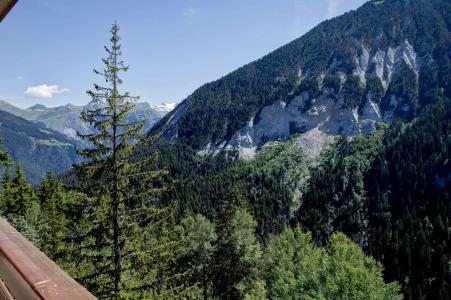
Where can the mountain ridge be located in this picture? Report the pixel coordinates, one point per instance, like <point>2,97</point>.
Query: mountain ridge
<point>65,119</point>
<point>38,148</point>
<point>383,61</point>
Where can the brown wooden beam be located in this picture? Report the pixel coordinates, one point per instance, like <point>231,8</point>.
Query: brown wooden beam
<point>5,7</point>
<point>4,292</point>
<point>28,274</point>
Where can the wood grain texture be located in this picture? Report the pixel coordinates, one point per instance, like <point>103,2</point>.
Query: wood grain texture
<point>29,274</point>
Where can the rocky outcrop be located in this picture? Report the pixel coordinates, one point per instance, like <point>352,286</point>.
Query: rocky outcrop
<point>328,114</point>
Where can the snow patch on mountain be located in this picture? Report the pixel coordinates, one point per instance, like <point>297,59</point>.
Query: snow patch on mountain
<point>164,107</point>
<point>66,118</point>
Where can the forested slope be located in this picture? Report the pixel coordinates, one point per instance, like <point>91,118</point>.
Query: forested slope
<point>386,60</point>
<point>200,183</point>
<point>38,148</point>
<point>391,192</point>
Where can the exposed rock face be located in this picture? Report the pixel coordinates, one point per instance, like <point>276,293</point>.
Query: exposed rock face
<point>386,60</point>
<point>313,141</point>
<point>328,114</point>
<point>386,63</point>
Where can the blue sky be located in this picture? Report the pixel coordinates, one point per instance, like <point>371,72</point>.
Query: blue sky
<point>49,47</point>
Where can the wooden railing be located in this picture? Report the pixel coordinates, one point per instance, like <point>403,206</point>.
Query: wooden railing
<point>26,273</point>
<point>5,7</point>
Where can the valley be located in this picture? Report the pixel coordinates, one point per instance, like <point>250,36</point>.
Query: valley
<point>319,171</point>
<point>66,119</point>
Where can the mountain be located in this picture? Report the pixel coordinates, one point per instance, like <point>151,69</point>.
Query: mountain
<point>372,84</point>
<point>164,107</point>
<point>381,75</point>
<point>387,60</point>
<point>66,119</point>
<point>390,191</point>
<point>38,148</point>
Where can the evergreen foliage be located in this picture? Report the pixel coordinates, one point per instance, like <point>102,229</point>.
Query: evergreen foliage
<point>18,202</point>
<point>201,183</point>
<point>198,258</point>
<point>197,254</point>
<point>221,232</point>
<point>296,268</point>
<point>22,198</point>
<point>215,111</point>
<point>53,227</point>
<point>121,240</point>
<point>390,192</point>
<point>238,252</point>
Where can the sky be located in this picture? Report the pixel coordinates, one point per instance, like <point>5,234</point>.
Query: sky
<point>50,47</point>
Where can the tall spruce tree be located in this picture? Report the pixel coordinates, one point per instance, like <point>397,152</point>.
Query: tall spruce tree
<point>19,205</point>
<point>4,157</point>
<point>238,253</point>
<point>5,163</point>
<point>5,191</point>
<point>53,230</point>
<point>22,198</point>
<point>122,216</point>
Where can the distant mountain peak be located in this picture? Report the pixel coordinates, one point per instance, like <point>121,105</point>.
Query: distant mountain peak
<point>70,105</point>
<point>37,107</point>
<point>65,118</point>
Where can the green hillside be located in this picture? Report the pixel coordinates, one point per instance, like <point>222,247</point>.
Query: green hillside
<point>36,147</point>
<point>320,171</point>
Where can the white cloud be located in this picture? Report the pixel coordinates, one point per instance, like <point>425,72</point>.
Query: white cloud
<point>19,77</point>
<point>189,12</point>
<point>44,91</point>
<point>332,8</point>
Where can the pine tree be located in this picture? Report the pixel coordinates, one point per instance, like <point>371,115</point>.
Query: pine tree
<point>199,236</point>
<point>53,231</point>
<point>4,157</point>
<point>5,163</point>
<point>6,194</point>
<point>20,207</point>
<point>238,252</point>
<point>121,208</point>
<point>22,198</point>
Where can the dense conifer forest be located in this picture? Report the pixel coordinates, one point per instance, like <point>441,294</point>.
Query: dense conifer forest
<point>146,217</point>
<point>227,241</point>
<point>390,192</point>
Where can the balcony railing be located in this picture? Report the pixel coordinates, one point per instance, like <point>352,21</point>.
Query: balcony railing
<point>26,273</point>
<point>5,7</point>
